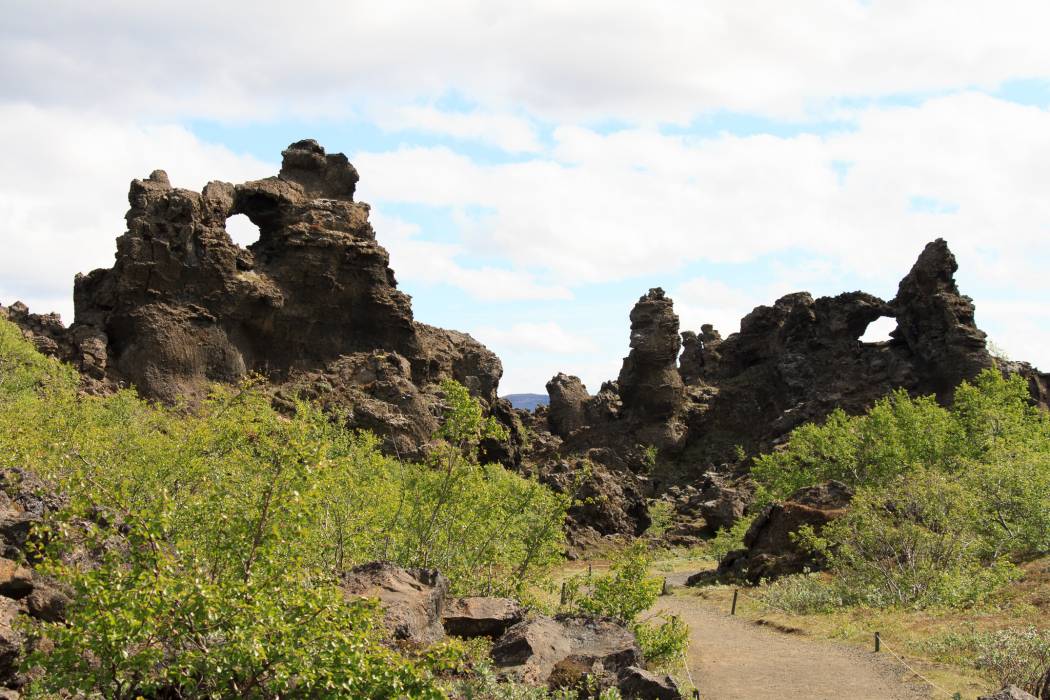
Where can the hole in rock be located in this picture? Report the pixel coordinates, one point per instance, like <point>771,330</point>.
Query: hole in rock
<point>879,330</point>
<point>242,231</point>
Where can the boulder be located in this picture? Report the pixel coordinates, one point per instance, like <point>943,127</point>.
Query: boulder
<point>636,683</point>
<point>563,651</point>
<point>47,602</point>
<point>16,581</point>
<point>769,550</point>
<point>480,616</point>
<point>412,600</point>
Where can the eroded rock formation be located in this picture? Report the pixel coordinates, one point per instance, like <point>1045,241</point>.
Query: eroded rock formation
<point>312,305</point>
<point>790,363</point>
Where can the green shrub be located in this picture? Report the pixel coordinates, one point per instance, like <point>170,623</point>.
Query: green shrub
<point>943,495</point>
<point>727,540</point>
<point>235,523</point>
<point>913,542</point>
<point>623,595</point>
<point>661,515</point>
<point>1017,656</point>
<point>805,594</point>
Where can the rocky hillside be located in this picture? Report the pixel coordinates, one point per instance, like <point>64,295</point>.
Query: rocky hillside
<point>700,404</point>
<point>313,307</point>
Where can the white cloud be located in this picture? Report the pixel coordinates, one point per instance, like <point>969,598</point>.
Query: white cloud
<point>547,337</point>
<point>606,207</point>
<point>422,260</point>
<point>636,201</point>
<point>701,300</point>
<point>63,192</point>
<point>586,60</point>
<point>504,131</point>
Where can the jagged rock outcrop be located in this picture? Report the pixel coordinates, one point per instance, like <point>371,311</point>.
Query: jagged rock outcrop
<point>790,363</point>
<point>312,302</point>
<point>936,322</point>
<point>567,410</point>
<point>769,550</point>
<point>649,382</point>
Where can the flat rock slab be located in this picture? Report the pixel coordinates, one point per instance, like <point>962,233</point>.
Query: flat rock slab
<point>480,616</point>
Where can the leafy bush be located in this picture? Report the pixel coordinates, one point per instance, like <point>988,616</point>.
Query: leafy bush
<point>205,546</point>
<point>914,543</point>
<point>943,495</point>
<point>727,540</point>
<point>1018,656</point>
<point>625,593</point>
<point>661,515</point>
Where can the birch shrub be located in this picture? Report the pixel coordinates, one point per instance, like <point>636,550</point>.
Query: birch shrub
<point>205,547</point>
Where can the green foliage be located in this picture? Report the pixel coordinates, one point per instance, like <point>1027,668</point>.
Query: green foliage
<point>943,495</point>
<point>23,368</point>
<point>663,644</point>
<point>225,530</point>
<point>661,515</point>
<point>1017,656</point>
<point>728,539</point>
<point>805,594</point>
<point>623,595</point>
<point>150,621</point>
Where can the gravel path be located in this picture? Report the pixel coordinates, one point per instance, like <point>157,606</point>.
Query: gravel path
<point>731,658</point>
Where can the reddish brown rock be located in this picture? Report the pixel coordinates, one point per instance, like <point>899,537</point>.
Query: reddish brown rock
<point>412,600</point>
<point>770,551</point>
<point>480,616</point>
<point>563,651</point>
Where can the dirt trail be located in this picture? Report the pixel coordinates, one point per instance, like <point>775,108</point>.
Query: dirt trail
<point>731,658</point>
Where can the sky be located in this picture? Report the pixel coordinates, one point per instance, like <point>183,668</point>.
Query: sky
<point>535,167</point>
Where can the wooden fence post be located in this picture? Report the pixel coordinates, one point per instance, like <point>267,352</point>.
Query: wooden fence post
<point>878,642</point>
<point>735,592</point>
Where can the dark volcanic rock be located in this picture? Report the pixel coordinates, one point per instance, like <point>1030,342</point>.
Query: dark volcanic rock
<point>412,599</point>
<point>567,410</point>
<point>608,501</point>
<point>563,651</point>
<point>649,381</point>
<point>937,322</point>
<point>635,682</point>
<point>480,616</point>
<point>769,550</point>
<point>183,306</point>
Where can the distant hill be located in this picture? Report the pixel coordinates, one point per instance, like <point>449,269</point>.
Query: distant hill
<point>529,402</point>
